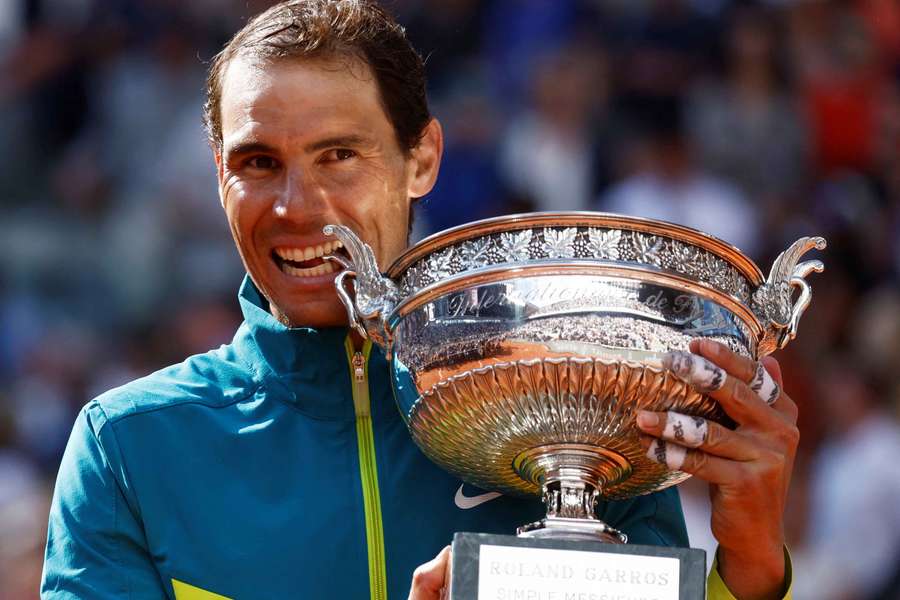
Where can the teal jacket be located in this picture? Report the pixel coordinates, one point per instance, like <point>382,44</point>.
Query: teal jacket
<point>269,468</point>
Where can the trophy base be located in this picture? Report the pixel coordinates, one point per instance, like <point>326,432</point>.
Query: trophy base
<point>562,528</point>
<point>488,567</point>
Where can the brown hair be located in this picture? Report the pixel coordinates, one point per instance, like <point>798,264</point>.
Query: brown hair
<point>312,28</point>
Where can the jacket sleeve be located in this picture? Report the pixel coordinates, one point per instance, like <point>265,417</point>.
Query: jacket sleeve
<point>717,590</point>
<point>655,519</point>
<point>96,546</point>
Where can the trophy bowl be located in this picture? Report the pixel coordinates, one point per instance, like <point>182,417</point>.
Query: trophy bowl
<point>521,347</point>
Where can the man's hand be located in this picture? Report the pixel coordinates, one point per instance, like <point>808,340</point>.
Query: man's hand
<point>748,468</point>
<point>428,579</point>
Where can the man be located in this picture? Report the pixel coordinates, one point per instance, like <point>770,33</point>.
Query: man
<point>277,466</point>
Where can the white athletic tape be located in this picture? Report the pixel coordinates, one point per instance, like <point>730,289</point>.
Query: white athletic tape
<point>671,455</point>
<point>764,386</point>
<point>685,430</point>
<point>696,370</point>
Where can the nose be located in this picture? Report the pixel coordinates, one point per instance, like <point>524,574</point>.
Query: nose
<point>299,193</point>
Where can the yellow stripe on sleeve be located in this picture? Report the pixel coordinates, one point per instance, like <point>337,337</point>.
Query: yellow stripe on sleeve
<point>184,591</point>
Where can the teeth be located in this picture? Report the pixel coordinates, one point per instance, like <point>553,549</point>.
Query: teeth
<point>322,269</point>
<point>309,252</point>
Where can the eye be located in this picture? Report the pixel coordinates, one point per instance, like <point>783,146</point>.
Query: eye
<point>265,163</point>
<point>339,154</point>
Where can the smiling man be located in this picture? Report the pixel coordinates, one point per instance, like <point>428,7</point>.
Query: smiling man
<point>277,466</point>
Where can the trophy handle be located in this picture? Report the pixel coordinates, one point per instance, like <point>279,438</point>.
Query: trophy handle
<point>374,296</point>
<point>773,302</point>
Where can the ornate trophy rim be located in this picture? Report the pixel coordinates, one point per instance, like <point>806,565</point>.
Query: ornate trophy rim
<point>448,237</point>
<point>595,268</point>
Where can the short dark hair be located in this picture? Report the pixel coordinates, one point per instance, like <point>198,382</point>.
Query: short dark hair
<point>324,28</point>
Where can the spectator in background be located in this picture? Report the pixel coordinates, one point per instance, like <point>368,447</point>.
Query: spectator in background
<point>667,184</point>
<point>664,46</point>
<point>517,34</point>
<point>744,126</point>
<point>843,84</point>
<point>852,548</point>
<point>24,498</point>
<point>448,33</point>
<point>547,151</point>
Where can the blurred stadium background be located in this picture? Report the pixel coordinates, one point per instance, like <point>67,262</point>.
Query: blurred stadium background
<point>757,121</point>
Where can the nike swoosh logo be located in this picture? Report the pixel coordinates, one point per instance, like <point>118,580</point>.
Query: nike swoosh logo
<point>466,502</point>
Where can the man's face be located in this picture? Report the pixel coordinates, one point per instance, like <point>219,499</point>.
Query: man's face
<point>306,143</point>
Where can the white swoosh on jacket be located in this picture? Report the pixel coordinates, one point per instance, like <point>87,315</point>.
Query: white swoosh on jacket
<point>466,502</point>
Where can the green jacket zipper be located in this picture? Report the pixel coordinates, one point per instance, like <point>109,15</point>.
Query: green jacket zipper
<point>368,470</point>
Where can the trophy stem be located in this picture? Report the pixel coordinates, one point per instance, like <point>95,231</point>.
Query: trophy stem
<point>570,498</point>
<point>572,477</point>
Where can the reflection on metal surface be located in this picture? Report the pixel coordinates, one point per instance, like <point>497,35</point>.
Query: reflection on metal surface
<point>521,347</point>
<point>496,426</point>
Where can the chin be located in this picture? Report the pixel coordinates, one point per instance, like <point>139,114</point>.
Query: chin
<point>312,316</point>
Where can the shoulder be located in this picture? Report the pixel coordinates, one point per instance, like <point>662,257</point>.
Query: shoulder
<point>216,378</point>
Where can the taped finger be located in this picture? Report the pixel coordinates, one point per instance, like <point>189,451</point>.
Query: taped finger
<point>686,430</point>
<point>696,370</point>
<point>764,385</point>
<point>667,453</point>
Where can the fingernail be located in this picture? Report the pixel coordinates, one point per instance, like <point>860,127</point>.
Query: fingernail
<point>646,418</point>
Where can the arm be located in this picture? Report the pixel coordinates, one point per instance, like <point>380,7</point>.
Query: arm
<point>96,546</point>
<point>717,590</point>
<point>748,468</point>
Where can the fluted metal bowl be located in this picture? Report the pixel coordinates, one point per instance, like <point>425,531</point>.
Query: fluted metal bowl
<point>521,346</point>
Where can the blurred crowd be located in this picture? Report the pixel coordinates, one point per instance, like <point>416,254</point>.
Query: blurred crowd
<point>759,122</point>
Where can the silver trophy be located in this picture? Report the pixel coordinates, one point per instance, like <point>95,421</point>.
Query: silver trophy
<point>521,347</point>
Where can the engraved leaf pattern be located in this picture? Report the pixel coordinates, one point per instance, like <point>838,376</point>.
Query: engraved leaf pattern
<point>413,279</point>
<point>647,248</point>
<point>604,244</point>
<point>686,259</point>
<point>475,253</point>
<point>708,267</point>
<point>720,273</point>
<point>441,265</point>
<point>515,245</point>
<point>560,243</point>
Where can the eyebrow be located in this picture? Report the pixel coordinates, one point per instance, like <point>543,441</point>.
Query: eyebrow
<point>249,147</point>
<point>338,141</point>
<point>253,147</point>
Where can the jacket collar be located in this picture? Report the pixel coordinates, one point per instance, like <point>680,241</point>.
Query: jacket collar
<point>307,366</point>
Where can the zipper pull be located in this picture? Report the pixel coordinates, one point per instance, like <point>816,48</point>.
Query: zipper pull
<point>359,367</point>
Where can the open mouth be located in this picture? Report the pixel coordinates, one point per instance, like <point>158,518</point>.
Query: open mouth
<point>307,261</point>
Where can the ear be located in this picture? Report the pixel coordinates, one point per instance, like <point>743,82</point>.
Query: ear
<point>426,160</point>
<point>217,156</point>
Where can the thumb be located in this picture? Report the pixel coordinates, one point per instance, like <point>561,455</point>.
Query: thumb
<point>428,579</point>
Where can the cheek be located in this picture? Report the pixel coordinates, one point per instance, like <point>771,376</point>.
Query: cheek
<point>367,178</point>
<point>243,208</point>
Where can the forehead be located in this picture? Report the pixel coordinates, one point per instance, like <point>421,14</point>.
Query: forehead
<point>298,96</point>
